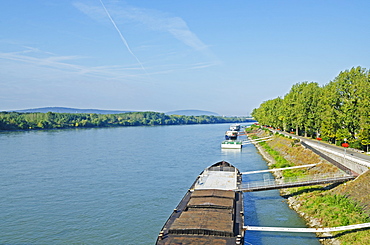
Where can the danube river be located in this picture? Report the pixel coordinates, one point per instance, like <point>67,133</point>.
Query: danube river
<point>119,185</point>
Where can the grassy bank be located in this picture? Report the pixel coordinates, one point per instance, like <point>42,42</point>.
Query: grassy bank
<point>328,205</point>
<point>332,210</point>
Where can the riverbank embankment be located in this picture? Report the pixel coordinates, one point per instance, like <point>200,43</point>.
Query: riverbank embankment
<point>325,205</point>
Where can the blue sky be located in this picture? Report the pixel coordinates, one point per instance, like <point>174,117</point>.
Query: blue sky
<point>164,55</point>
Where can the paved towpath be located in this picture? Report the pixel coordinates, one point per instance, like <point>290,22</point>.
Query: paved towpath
<point>339,149</point>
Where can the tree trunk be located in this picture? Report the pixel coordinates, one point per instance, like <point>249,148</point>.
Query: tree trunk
<point>305,132</point>
<point>296,130</point>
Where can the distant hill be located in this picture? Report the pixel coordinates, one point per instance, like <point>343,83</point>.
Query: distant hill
<point>192,113</point>
<point>97,111</point>
<point>71,110</point>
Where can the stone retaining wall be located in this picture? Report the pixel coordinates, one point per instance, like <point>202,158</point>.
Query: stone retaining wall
<point>355,164</point>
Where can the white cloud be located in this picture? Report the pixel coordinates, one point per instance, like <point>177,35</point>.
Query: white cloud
<point>152,19</point>
<point>48,65</point>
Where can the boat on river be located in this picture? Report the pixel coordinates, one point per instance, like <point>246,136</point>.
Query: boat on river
<point>235,127</point>
<point>211,212</point>
<point>231,135</point>
<point>231,144</point>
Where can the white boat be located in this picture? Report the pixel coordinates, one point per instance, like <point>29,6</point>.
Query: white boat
<point>231,135</point>
<point>235,127</point>
<point>231,144</point>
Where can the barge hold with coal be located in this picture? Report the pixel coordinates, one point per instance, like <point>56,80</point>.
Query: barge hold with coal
<point>211,212</point>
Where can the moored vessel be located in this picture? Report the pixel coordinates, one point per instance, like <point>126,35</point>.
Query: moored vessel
<point>231,144</point>
<point>235,127</point>
<point>231,135</point>
<point>211,212</point>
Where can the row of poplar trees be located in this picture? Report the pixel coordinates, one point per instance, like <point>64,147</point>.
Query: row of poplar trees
<point>336,112</point>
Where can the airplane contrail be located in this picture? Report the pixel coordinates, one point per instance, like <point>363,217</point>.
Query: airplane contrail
<point>122,38</point>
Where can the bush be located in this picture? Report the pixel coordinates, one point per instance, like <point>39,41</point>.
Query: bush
<point>338,210</point>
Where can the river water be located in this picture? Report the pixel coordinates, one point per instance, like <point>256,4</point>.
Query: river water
<point>119,185</point>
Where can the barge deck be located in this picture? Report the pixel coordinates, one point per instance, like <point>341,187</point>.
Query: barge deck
<point>211,212</point>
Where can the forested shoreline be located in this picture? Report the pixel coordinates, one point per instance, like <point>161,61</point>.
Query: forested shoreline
<point>336,112</point>
<point>52,120</point>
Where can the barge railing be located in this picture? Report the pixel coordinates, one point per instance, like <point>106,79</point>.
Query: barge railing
<point>279,169</point>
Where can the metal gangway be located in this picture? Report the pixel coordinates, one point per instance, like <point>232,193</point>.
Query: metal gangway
<point>315,230</point>
<point>252,141</point>
<point>290,182</point>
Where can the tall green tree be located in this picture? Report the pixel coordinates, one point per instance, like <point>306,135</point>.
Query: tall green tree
<point>301,106</point>
<point>363,98</point>
<point>329,116</point>
<point>269,113</point>
<point>337,111</point>
<point>345,100</point>
<point>309,101</point>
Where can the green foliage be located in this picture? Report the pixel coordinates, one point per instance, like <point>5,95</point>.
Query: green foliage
<point>280,161</point>
<point>333,210</point>
<point>269,112</point>
<point>251,128</point>
<point>336,111</point>
<point>50,120</point>
<point>338,210</point>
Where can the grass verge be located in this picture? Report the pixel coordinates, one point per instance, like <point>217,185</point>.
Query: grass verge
<point>334,210</point>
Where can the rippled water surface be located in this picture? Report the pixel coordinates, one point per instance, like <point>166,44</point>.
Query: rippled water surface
<point>119,185</point>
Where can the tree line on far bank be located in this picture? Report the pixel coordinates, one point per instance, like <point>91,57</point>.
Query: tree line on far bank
<point>336,112</point>
<point>51,120</point>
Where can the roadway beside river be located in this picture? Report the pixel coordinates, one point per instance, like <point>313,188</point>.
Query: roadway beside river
<point>339,149</point>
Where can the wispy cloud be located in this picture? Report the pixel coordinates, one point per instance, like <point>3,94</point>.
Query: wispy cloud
<point>29,56</point>
<point>39,59</point>
<point>48,66</point>
<point>44,64</point>
<point>122,37</point>
<point>153,19</point>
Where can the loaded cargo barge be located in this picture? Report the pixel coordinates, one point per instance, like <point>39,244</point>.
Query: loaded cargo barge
<point>211,212</point>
